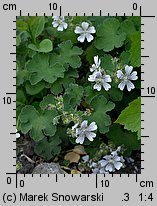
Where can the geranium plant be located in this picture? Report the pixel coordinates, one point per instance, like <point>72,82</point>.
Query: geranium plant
<point>78,83</point>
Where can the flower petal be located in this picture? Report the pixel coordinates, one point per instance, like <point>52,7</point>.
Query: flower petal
<point>91,78</point>
<point>56,18</point>
<point>107,157</point>
<point>106,86</point>
<point>65,25</point>
<point>92,127</point>
<point>75,126</point>
<point>90,135</point>
<point>84,124</point>
<point>120,74</point>
<point>93,68</point>
<point>85,158</point>
<point>133,76</point>
<point>91,30</point>
<point>80,139</point>
<point>118,165</point>
<point>103,163</point>
<point>85,25</point>
<point>89,37</point>
<point>107,78</point>
<point>122,85</point>
<point>60,28</point>
<point>55,24</point>
<point>128,69</point>
<point>97,87</point>
<point>95,170</point>
<point>81,38</point>
<point>109,167</point>
<point>130,85</point>
<point>78,30</point>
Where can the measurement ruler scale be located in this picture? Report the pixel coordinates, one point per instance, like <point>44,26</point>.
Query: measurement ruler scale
<point>121,189</point>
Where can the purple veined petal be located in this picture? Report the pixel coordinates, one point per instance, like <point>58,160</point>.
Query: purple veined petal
<point>106,86</point>
<point>78,30</point>
<point>91,30</point>
<point>114,153</point>
<point>130,85</point>
<point>107,78</point>
<point>107,157</point>
<point>60,28</point>
<point>80,140</point>
<point>91,78</point>
<point>128,70</point>
<point>55,24</point>
<point>81,38</point>
<point>133,76</point>
<point>84,124</point>
<point>109,167</point>
<point>93,68</point>
<point>65,25</point>
<point>92,127</point>
<point>90,135</point>
<point>89,37</point>
<point>96,59</point>
<point>56,18</point>
<point>118,165</point>
<point>98,74</point>
<point>103,163</point>
<point>85,25</point>
<point>116,158</point>
<point>78,131</point>
<point>120,74</point>
<point>97,87</point>
<point>122,85</point>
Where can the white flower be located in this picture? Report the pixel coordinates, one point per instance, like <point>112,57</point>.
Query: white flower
<point>85,32</point>
<point>85,158</point>
<point>59,22</point>
<point>17,134</point>
<point>96,66</point>
<point>85,131</point>
<point>100,80</point>
<point>111,162</point>
<point>125,78</point>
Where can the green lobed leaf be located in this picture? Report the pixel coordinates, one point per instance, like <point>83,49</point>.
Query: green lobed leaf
<point>128,27</point>
<point>130,117</point>
<point>135,50</point>
<point>120,137</point>
<point>101,106</point>
<point>72,96</point>
<point>39,124</point>
<point>48,149</point>
<point>57,86</point>
<point>108,35</point>
<point>40,68</point>
<point>34,89</point>
<point>69,54</point>
<point>49,99</point>
<point>45,46</point>
<point>115,94</point>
